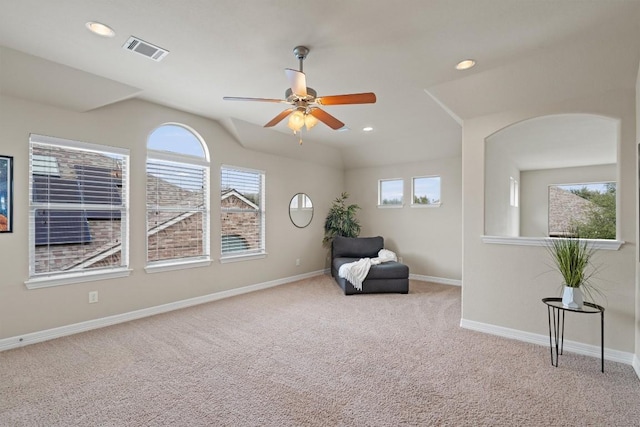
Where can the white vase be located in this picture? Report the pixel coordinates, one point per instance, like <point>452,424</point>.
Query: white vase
<point>572,297</point>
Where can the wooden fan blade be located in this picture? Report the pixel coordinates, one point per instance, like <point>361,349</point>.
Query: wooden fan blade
<point>277,119</point>
<point>237,98</point>
<point>297,81</point>
<point>354,98</point>
<point>326,118</point>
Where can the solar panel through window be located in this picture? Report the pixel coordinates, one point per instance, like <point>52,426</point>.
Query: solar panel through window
<point>48,189</point>
<point>61,227</point>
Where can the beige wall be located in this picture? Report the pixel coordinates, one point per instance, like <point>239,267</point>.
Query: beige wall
<point>127,125</point>
<point>503,284</point>
<point>429,239</point>
<point>501,219</point>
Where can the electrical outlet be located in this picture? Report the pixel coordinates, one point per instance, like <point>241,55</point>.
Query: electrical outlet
<point>297,261</point>
<point>93,297</point>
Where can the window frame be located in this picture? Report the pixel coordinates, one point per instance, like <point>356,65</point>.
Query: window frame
<point>380,199</point>
<point>413,192</point>
<point>58,278</point>
<point>251,254</point>
<point>585,184</point>
<point>165,156</point>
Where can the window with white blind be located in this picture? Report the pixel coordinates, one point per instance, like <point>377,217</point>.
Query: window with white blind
<point>177,199</point>
<point>242,212</point>
<point>78,211</point>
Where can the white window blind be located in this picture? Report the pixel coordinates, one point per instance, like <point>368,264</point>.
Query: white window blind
<point>242,211</point>
<point>78,207</point>
<point>177,211</point>
<point>44,165</point>
<point>177,197</point>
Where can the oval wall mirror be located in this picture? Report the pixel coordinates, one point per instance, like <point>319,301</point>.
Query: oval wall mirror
<point>300,210</point>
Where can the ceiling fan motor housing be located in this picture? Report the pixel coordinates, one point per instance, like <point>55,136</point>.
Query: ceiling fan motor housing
<point>291,97</point>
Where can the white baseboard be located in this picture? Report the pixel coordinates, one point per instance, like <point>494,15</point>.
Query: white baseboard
<point>636,364</point>
<point>433,279</point>
<point>571,346</point>
<point>49,334</point>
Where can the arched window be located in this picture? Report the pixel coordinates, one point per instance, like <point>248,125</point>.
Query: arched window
<point>177,198</point>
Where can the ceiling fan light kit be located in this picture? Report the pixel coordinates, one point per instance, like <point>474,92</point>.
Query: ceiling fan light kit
<point>305,101</point>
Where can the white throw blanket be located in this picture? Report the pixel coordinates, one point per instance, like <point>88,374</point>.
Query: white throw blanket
<point>357,271</point>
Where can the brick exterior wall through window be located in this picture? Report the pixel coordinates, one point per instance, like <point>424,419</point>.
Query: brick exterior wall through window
<point>246,225</point>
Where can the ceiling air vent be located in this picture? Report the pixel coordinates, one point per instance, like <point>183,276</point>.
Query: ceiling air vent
<point>145,49</point>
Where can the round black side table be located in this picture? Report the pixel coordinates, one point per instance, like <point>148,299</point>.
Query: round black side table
<point>556,334</point>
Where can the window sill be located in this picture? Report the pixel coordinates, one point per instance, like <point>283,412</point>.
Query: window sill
<point>610,245</point>
<point>160,267</point>
<point>390,206</point>
<point>432,205</point>
<point>68,279</point>
<point>244,257</point>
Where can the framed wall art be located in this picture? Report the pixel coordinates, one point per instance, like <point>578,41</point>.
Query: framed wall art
<point>6,194</point>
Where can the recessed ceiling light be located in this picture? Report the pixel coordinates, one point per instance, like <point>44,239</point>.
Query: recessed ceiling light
<point>100,29</point>
<point>465,65</point>
<point>367,129</point>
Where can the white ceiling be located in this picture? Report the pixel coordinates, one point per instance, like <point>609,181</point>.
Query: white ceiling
<point>529,52</point>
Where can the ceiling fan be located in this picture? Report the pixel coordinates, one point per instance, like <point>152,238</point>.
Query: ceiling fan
<point>305,102</point>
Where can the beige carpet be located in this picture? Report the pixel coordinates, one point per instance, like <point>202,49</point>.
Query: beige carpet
<point>303,354</point>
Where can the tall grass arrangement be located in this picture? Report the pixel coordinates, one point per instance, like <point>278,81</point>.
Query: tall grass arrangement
<point>573,258</point>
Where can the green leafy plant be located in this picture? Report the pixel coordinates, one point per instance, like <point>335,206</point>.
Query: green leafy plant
<point>341,220</point>
<point>572,257</point>
<point>600,222</point>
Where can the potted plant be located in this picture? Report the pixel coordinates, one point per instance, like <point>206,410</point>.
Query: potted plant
<point>341,220</point>
<point>572,258</point>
